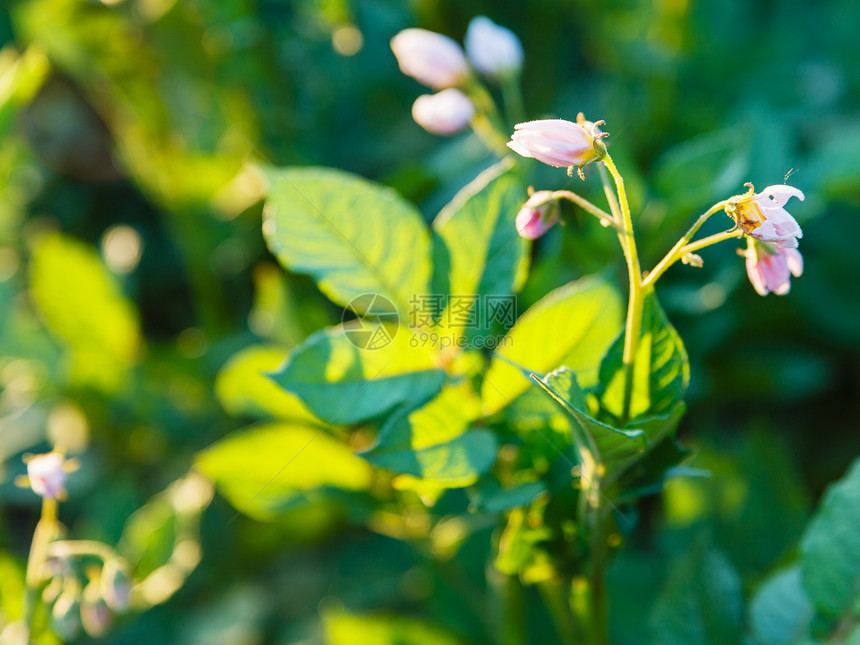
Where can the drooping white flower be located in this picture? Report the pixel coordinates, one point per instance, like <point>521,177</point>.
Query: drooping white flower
<point>430,58</point>
<point>493,50</point>
<point>444,113</point>
<point>763,217</point>
<point>47,475</point>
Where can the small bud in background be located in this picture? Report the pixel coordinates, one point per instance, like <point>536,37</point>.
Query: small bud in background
<point>555,142</point>
<point>537,215</point>
<point>492,49</point>
<point>444,113</point>
<point>115,586</point>
<point>770,267</point>
<point>47,474</point>
<point>430,58</point>
<point>96,616</point>
<point>66,615</point>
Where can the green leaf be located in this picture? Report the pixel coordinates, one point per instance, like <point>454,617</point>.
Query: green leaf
<point>244,388</point>
<point>261,470</point>
<point>83,306</point>
<point>781,612</point>
<point>701,602</point>
<point>661,372</point>
<point>352,236</point>
<point>344,384</point>
<point>611,447</point>
<point>350,629</point>
<point>478,250</point>
<point>573,325</point>
<point>830,548</point>
<point>490,497</point>
<point>433,442</point>
<point>520,549</point>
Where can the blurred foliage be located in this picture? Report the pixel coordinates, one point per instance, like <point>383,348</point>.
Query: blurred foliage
<point>132,267</point>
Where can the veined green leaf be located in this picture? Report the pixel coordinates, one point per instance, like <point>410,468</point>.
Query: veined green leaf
<point>661,372</point>
<point>573,326</point>
<point>611,447</point>
<point>352,236</point>
<point>830,548</point>
<point>344,384</point>
<point>262,469</point>
<point>477,248</point>
<point>434,443</point>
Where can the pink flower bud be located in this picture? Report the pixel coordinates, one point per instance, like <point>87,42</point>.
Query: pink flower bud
<point>553,141</point>
<point>47,475</point>
<point>493,50</point>
<point>445,113</point>
<point>430,58</point>
<point>537,215</point>
<point>769,267</point>
<point>762,216</point>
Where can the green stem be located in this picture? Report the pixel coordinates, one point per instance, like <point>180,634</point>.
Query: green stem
<point>515,623</point>
<point>559,610</point>
<point>633,325</point>
<point>731,234</point>
<point>604,217</point>
<point>67,548</point>
<point>597,591</point>
<point>45,531</point>
<point>512,96</point>
<point>678,251</point>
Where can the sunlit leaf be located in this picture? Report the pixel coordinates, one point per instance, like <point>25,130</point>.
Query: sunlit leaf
<point>352,236</point>
<point>84,308</point>
<point>433,442</point>
<point>244,387</point>
<point>341,383</point>
<point>572,326</point>
<point>350,629</point>
<point>262,469</point>
<point>478,250</point>
<point>661,372</point>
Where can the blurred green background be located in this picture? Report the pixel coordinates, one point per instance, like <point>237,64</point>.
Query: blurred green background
<point>126,127</point>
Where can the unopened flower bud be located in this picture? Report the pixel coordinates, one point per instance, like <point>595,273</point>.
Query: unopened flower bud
<point>537,215</point>
<point>557,142</point>
<point>430,58</point>
<point>492,49</point>
<point>96,616</point>
<point>444,113</point>
<point>115,586</point>
<point>66,615</point>
<point>770,266</point>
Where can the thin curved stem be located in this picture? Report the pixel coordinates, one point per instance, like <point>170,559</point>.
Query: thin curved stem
<point>67,548</point>
<point>45,531</point>
<point>675,253</point>
<point>587,206</point>
<point>731,234</point>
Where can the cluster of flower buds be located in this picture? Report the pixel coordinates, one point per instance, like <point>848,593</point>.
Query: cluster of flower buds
<point>439,62</point>
<point>772,237</point>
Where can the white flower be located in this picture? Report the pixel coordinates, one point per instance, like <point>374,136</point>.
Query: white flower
<point>770,267</point>
<point>493,50</point>
<point>762,216</point>
<point>553,141</point>
<point>430,58</point>
<point>47,475</point>
<point>445,113</point>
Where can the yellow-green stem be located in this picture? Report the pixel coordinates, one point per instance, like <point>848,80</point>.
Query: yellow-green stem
<point>46,529</point>
<point>732,234</point>
<point>587,206</point>
<point>635,301</point>
<point>486,132</point>
<point>680,249</point>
